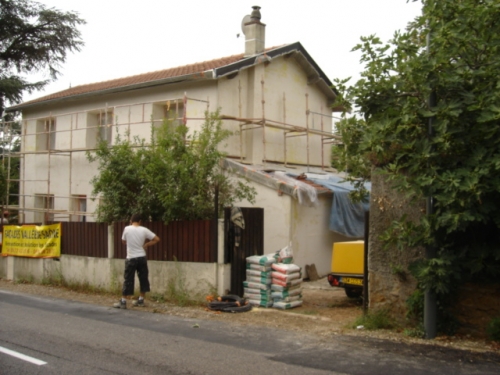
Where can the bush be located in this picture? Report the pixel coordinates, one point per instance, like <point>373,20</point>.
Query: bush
<point>175,177</point>
<point>493,329</point>
<point>447,323</point>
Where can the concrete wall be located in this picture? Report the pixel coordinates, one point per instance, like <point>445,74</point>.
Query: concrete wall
<point>3,267</point>
<point>107,274</point>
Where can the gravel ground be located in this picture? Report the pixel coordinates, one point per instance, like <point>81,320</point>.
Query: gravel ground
<point>325,312</point>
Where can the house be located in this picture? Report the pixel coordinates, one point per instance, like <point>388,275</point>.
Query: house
<point>277,101</point>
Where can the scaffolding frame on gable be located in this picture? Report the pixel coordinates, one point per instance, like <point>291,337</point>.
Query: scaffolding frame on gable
<point>47,211</point>
<point>289,130</point>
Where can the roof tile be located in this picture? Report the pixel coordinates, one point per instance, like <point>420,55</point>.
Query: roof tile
<point>141,78</point>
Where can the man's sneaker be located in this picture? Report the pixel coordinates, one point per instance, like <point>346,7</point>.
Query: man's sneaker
<point>120,305</point>
<point>139,302</point>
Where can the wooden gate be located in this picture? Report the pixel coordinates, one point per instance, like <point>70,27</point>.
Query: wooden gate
<point>251,242</point>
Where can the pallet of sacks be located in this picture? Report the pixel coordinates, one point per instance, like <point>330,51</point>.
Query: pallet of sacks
<point>257,286</point>
<point>286,285</point>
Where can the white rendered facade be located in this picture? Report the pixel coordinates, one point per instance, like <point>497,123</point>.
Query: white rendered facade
<point>263,103</point>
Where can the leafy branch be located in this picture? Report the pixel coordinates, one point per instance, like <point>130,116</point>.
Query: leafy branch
<point>458,165</point>
<point>176,177</point>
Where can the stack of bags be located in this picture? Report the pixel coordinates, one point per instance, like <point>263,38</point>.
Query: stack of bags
<point>286,285</point>
<point>257,287</point>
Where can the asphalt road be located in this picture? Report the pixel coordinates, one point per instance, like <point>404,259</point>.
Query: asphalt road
<point>65,337</point>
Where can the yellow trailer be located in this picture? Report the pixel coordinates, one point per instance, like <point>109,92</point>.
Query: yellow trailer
<point>348,261</point>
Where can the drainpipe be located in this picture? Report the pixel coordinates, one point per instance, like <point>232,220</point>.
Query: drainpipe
<point>216,235</point>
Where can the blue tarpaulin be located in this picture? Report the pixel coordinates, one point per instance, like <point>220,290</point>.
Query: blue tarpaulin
<point>346,217</point>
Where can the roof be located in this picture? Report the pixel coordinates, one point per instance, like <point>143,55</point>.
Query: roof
<point>281,178</point>
<point>306,184</point>
<point>205,70</point>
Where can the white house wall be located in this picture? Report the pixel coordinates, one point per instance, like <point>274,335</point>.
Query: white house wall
<point>305,227</point>
<point>135,106</point>
<point>70,173</point>
<point>311,238</point>
<point>277,211</point>
<point>283,87</point>
<point>289,104</point>
<point>231,98</point>
<point>283,91</point>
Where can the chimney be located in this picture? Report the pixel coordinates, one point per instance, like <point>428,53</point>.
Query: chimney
<point>255,33</point>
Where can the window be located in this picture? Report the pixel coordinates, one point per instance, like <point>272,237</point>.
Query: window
<point>44,205</point>
<point>171,110</point>
<point>78,206</point>
<point>105,122</point>
<point>174,111</point>
<point>46,134</point>
<point>99,126</point>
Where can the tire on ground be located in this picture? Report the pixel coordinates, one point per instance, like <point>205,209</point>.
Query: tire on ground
<point>230,303</point>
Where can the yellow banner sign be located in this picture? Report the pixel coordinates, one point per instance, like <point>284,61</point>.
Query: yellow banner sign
<point>32,241</point>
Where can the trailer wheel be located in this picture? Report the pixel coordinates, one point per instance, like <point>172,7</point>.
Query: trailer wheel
<point>353,292</point>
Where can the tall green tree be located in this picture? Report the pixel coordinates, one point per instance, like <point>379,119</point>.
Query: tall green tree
<point>33,38</point>
<point>175,177</point>
<point>10,141</point>
<point>458,164</point>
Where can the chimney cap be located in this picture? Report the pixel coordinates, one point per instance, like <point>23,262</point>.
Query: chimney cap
<point>255,16</point>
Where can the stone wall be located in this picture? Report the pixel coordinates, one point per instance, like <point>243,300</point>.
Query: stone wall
<point>390,282</point>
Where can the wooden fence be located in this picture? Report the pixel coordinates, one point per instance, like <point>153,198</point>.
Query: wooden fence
<point>185,241</point>
<point>88,239</point>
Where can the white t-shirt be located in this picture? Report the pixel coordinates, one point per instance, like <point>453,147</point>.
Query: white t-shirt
<point>136,237</point>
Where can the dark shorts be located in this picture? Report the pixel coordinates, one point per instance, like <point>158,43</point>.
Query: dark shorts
<point>133,265</point>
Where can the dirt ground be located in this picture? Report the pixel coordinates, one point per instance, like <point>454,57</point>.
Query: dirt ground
<point>325,312</point>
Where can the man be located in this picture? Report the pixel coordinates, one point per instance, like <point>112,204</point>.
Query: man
<point>138,239</point>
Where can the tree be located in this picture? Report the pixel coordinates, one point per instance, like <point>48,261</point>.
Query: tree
<point>120,179</point>
<point>10,141</point>
<point>458,163</point>
<point>176,177</point>
<point>33,39</point>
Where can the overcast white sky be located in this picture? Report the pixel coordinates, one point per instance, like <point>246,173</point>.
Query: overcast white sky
<point>124,37</point>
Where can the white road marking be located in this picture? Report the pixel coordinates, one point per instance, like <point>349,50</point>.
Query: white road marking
<point>22,356</point>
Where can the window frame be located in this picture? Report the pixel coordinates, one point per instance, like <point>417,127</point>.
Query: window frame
<point>78,201</point>
<point>47,205</point>
<point>46,129</point>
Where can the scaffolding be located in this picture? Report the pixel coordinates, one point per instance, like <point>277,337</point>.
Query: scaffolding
<point>15,133</point>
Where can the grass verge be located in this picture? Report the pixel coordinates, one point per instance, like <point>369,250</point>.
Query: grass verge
<point>377,319</point>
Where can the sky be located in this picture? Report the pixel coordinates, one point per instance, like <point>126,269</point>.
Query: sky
<point>124,38</point>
